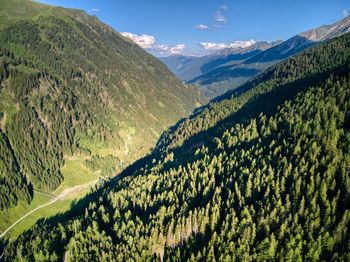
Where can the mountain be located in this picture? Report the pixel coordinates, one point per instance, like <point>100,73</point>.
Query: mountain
<point>284,50</point>
<point>181,65</point>
<point>187,68</point>
<point>223,78</point>
<point>71,85</point>
<point>302,41</point>
<point>260,175</point>
<point>328,31</point>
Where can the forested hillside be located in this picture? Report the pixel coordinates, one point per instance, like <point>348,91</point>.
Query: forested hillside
<point>70,84</point>
<point>268,89</point>
<point>263,175</point>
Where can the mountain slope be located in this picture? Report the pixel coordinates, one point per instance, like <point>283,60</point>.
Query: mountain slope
<point>187,68</point>
<point>70,84</point>
<point>264,175</point>
<point>302,41</point>
<point>218,81</point>
<point>179,65</point>
<point>328,31</point>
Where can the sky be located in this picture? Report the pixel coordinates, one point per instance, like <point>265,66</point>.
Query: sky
<point>194,27</point>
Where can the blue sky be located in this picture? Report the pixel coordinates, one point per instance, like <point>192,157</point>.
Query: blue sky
<point>198,27</point>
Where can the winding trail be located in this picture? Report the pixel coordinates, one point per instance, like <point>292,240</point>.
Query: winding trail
<point>64,194</point>
<point>44,193</point>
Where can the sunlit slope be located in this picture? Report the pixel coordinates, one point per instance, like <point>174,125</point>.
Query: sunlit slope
<point>71,84</point>
<point>261,175</point>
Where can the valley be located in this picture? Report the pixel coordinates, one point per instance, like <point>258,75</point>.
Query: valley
<point>117,146</point>
<point>167,200</point>
<point>74,101</point>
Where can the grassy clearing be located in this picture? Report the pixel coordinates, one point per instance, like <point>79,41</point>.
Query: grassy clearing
<point>11,215</point>
<point>75,173</point>
<point>7,105</point>
<point>58,207</point>
<point>98,147</point>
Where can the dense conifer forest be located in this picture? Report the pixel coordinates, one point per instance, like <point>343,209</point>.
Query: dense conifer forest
<point>68,82</point>
<point>261,174</point>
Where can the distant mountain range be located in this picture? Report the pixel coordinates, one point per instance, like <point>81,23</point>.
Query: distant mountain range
<point>301,41</point>
<point>187,68</point>
<point>217,73</point>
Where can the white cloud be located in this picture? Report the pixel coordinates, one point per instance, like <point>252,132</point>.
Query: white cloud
<point>145,41</point>
<point>219,19</point>
<point>177,50</point>
<point>148,42</point>
<point>160,48</point>
<point>346,13</point>
<point>210,46</point>
<point>219,15</point>
<point>166,50</point>
<point>202,27</point>
<point>223,7</point>
<point>93,10</point>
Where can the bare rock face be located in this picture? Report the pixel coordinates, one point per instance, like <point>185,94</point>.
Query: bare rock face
<point>328,31</point>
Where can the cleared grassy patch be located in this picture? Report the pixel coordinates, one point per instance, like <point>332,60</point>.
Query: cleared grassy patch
<point>75,174</point>
<point>8,217</point>
<point>58,207</point>
<point>97,147</point>
<point>7,105</point>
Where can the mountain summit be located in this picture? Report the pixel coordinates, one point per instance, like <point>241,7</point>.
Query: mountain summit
<point>227,76</point>
<point>328,31</point>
